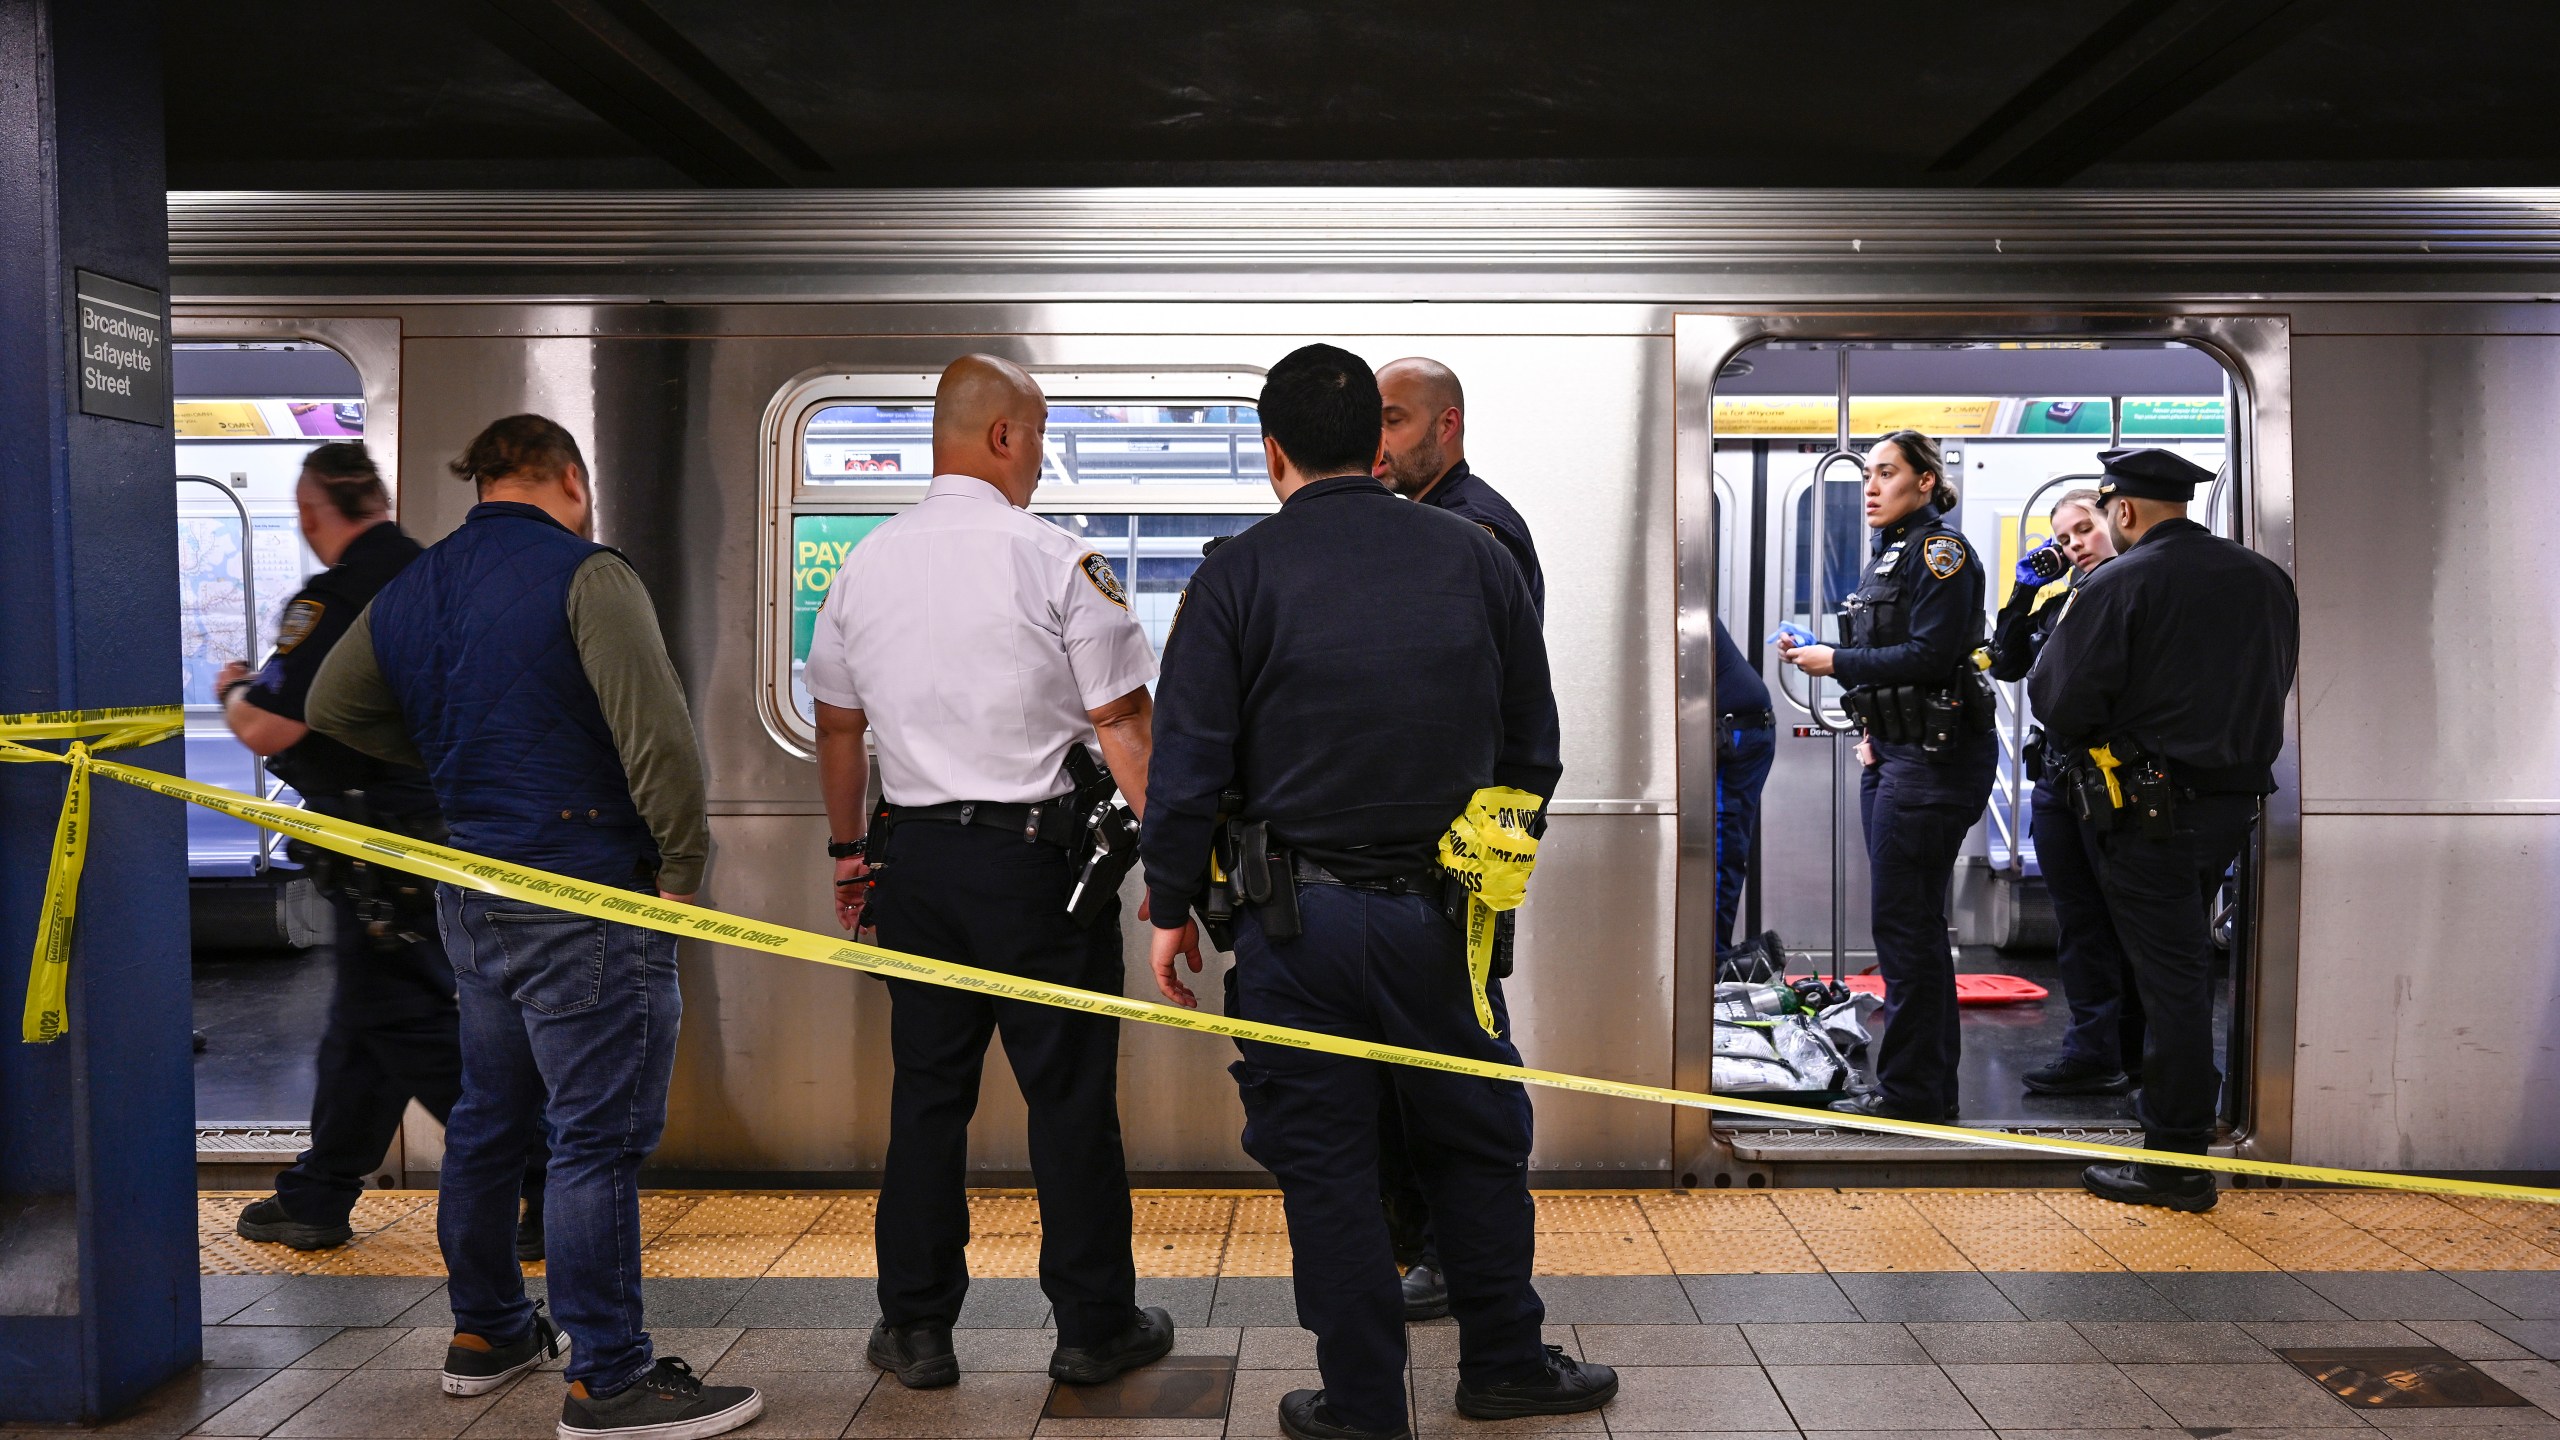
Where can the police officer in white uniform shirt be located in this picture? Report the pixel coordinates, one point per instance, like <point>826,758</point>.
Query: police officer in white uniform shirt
<point>979,645</point>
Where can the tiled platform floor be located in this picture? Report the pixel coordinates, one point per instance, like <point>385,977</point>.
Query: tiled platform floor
<point>1206,1234</point>
<point>1834,1313</point>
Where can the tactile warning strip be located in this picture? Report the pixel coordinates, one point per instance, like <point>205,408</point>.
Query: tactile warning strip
<point>819,1234</point>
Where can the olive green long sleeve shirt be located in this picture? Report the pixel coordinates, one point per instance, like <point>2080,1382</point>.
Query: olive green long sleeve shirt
<point>625,656</point>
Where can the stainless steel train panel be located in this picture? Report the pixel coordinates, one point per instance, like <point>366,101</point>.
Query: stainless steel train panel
<point>2429,1025</point>
<point>784,1067</point>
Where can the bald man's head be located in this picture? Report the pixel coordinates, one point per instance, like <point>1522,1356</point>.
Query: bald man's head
<point>990,421</point>
<point>1424,430</point>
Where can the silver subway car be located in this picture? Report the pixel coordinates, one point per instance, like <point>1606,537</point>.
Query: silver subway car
<point>1659,381</point>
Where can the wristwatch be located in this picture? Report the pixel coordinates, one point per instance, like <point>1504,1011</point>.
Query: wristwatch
<point>846,849</point>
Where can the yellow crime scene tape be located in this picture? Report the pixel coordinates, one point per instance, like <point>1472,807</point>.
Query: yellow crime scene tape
<point>115,729</point>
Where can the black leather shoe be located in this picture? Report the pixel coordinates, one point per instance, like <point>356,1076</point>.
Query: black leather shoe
<point>2192,1191</point>
<point>1426,1292</point>
<point>529,1247</point>
<point>918,1353</point>
<point>2077,1077</point>
<point>1872,1104</point>
<point>1567,1387</point>
<point>1146,1341</point>
<point>1303,1416</point>
<point>266,1220</point>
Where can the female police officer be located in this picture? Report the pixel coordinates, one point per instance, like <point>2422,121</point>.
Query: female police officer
<point>1913,625</point>
<point>2097,980</point>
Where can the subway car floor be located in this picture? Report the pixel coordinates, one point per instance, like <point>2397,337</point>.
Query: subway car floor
<point>1778,1313</point>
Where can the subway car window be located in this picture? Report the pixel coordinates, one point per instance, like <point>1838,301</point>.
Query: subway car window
<point>243,415</point>
<point>1146,483</point>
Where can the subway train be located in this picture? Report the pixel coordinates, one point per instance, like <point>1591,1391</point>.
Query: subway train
<point>1672,386</point>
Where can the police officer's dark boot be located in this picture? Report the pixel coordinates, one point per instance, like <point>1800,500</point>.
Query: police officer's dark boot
<point>1148,1339</point>
<point>266,1220</point>
<point>1562,1386</point>
<point>1872,1104</point>
<point>1303,1416</point>
<point>529,1246</point>
<point>918,1353</point>
<point>1426,1290</point>
<point>2167,1186</point>
<point>2072,1075</point>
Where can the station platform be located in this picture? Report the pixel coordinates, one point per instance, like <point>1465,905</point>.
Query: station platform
<point>1769,1313</point>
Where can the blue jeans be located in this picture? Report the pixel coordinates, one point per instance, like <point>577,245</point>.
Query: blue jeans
<point>1388,968</point>
<point>585,1011</point>
<point>1739,781</point>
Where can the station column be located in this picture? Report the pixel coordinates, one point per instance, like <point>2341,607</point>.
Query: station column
<point>98,1289</point>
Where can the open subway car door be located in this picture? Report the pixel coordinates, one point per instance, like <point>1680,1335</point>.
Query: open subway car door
<point>1777,414</point>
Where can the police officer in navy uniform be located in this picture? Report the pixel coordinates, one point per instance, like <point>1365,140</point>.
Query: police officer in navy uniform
<point>2097,980</point>
<point>1422,455</point>
<point>2174,660</point>
<point>393,1030</point>
<point>1356,670</point>
<point>1930,752</point>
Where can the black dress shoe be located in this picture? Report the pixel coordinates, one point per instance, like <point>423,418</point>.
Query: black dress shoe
<point>2067,1076</point>
<point>918,1353</point>
<point>1426,1291</point>
<point>2192,1191</point>
<point>267,1220</point>
<point>529,1246</point>
<point>1872,1104</point>
<point>1565,1387</point>
<point>1303,1416</point>
<point>1147,1340</point>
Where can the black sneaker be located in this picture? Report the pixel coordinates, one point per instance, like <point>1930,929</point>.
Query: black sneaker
<point>1148,1339</point>
<point>1566,1387</point>
<point>529,1239</point>
<point>1426,1292</point>
<point>266,1220</point>
<point>668,1403</point>
<point>918,1353</point>
<point>2192,1191</point>
<point>473,1366</point>
<point>2076,1077</point>
<point>1303,1416</point>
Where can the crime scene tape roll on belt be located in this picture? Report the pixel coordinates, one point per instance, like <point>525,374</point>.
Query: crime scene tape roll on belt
<point>91,731</point>
<point>1490,851</point>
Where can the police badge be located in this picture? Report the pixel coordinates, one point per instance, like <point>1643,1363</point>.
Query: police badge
<point>295,626</point>
<point>1944,555</point>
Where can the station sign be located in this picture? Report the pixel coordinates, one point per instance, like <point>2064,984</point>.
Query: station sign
<point>120,338</point>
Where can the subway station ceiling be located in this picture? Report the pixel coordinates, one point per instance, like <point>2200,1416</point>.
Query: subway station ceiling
<point>595,94</point>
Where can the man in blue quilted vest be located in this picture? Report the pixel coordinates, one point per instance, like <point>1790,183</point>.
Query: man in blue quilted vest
<point>520,664</point>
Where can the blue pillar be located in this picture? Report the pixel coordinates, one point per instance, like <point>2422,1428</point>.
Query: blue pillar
<point>98,1291</point>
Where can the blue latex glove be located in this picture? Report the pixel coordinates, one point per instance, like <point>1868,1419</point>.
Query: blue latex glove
<point>1797,633</point>
<point>2043,565</point>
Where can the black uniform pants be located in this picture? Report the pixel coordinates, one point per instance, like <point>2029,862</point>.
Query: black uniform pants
<point>393,1035</point>
<point>982,897</point>
<point>2097,979</point>
<point>1915,810</point>
<point>2160,892</point>
<point>1392,969</point>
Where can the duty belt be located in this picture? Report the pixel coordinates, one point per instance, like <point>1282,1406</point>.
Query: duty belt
<point>1434,885</point>
<point>1051,822</point>
<point>1748,719</point>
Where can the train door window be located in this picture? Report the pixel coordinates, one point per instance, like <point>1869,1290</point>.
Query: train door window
<point>1144,467</point>
<point>243,416</point>
<point>2019,424</point>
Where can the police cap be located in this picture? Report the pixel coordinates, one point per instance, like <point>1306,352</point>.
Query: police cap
<point>2150,474</point>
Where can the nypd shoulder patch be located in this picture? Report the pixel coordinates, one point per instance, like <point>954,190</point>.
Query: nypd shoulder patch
<point>1105,579</point>
<point>1944,555</point>
<point>295,625</point>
